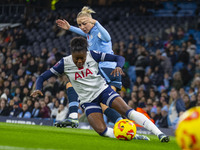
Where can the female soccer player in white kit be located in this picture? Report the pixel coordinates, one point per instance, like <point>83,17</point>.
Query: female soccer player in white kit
<point>82,69</point>
<point>98,39</point>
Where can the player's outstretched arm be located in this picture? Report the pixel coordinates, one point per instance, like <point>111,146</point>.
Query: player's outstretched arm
<point>36,93</point>
<point>39,82</point>
<point>98,57</point>
<point>63,24</point>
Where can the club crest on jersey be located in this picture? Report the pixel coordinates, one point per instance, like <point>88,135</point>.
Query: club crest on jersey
<point>99,35</point>
<point>83,74</point>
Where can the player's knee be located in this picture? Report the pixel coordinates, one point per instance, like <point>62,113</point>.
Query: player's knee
<point>101,130</point>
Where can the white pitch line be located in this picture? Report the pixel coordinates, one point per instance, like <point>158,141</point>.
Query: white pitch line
<point>22,148</point>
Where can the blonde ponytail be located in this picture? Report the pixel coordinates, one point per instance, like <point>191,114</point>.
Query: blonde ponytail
<point>86,11</point>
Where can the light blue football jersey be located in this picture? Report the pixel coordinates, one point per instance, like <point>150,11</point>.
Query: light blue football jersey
<point>99,40</point>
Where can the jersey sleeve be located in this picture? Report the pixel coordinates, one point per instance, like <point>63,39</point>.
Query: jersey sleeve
<point>103,33</point>
<point>57,70</point>
<point>98,57</point>
<point>77,31</point>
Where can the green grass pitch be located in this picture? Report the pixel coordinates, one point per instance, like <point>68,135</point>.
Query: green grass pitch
<point>34,137</point>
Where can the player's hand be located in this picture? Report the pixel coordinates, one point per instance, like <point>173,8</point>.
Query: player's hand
<point>63,24</point>
<point>117,71</point>
<point>36,93</point>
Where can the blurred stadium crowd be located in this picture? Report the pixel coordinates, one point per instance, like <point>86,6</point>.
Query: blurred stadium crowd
<point>161,44</point>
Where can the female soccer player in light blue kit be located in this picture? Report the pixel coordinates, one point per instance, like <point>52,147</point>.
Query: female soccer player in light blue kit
<point>82,69</point>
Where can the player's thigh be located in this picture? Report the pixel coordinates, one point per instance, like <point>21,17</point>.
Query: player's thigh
<point>120,105</point>
<point>97,122</point>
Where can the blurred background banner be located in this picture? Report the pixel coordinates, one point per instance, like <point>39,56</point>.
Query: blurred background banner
<point>31,121</point>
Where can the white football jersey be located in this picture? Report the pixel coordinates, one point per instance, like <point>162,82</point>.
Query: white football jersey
<point>87,83</point>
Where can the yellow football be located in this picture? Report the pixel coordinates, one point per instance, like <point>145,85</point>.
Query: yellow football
<point>187,132</point>
<point>124,129</point>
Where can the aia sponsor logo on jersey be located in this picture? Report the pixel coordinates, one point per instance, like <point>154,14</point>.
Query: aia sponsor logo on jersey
<point>83,74</point>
